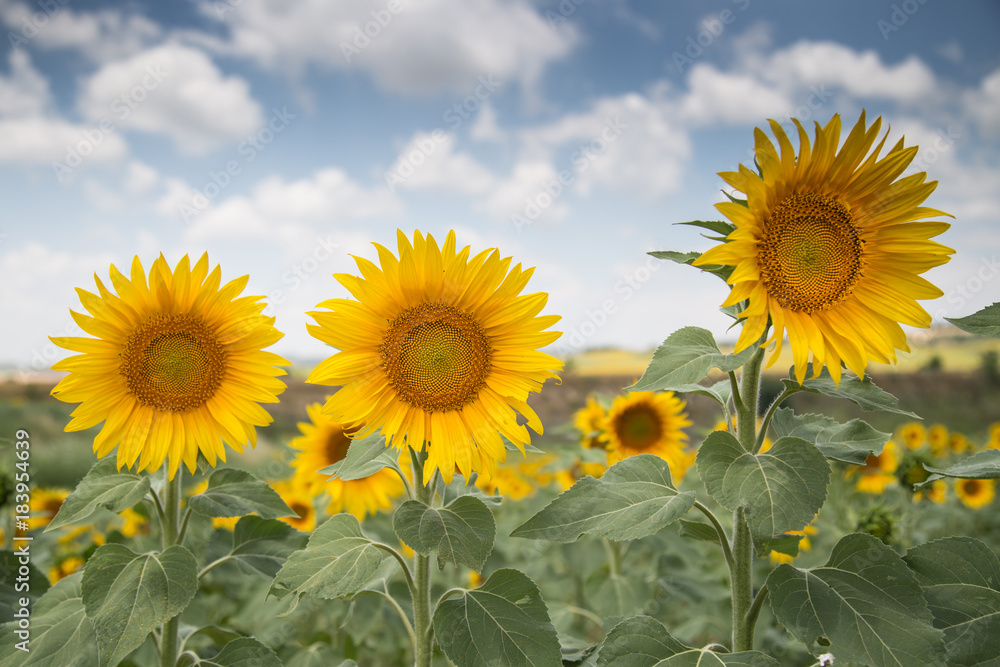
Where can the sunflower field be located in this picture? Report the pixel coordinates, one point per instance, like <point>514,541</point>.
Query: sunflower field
<point>440,490</point>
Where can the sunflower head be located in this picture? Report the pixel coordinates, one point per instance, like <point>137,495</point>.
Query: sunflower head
<point>879,471</point>
<point>647,422</point>
<point>44,505</point>
<point>176,367</point>
<point>437,348</point>
<point>590,420</point>
<point>300,501</point>
<point>913,435</point>
<point>828,247</point>
<point>936,492</point>
<point>975,493</point>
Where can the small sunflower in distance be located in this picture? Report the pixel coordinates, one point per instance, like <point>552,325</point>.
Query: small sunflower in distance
<point>439,347</point>
<point>588,421</point>
<point>177,367</point>
<point>829,247</point>
<point>975,493</point>
<point>647,422</point>
<point>324,442</point>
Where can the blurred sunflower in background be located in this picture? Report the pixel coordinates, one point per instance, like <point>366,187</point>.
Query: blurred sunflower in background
<point>879,471</point>
<point>975,493</point>
<point>590,420</point>
<point>647,422</point>
<point>829,247</point>
<point>438,347</point>
<point>936,492</point>
<point>913,435</point>
<point>44,504</point>
<point>177,366</point>
<point>804,545</point>
<point>324,442</point>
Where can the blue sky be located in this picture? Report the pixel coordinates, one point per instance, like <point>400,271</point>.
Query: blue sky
<point>280,138</point>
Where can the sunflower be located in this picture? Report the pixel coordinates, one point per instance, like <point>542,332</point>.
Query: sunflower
<point>177,367</point>
<point>804,545</point>
<point>913,435</point>
<point>508,482</point>
<point>958,443</point>
<point>300,501</point>
<point>646,422</point>
<point>324,442</point>
<point>994,440</point>
<point>44,505</point>
<point>438,348</point>
<point>975,493</point>
<point>65,568</point>
<point>588,420</point>
<point>937,438</point>
<point>878,471</point>
<point>936,492</point>
<point>829,246</point>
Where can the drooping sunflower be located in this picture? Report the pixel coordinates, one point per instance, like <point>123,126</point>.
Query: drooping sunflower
<point>438,348</point>
<point>975,493</point>
<point>324,442</point>
<point>177,367</point>
<point>647,422</point>
<point>829,247</point>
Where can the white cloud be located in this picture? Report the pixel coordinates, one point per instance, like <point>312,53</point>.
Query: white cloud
<point>25,91</point>
<point>275,206</point>
<point>102,197</point>
<point>38,140</point>
<point>429,161</point>
<point>99,35</point>
<point>983,105</point>
<point>485,127</point>
<point>523,194</point>
<point>728,97</point>
<point>140,177</point>
<point>425,46</point>
<point>173,90</point>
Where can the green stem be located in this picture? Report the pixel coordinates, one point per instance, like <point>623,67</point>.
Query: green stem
<point>723,538</point>
<point>169,640</point>
<point>614,553</point>
<point>742,570</point>
<point>737,401</point>
<point>402,563</point>
<point>422,574</point>
<point>764,425</point>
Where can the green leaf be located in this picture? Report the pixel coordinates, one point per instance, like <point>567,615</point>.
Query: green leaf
<point>103,487</point>
<point>127,595</point>
<point>864,606</point>
<point>981,465</point>
<point>233,492</point>
<point>10,565</point>
<point>642,641</point>
<point>635,498</point>
<point>319,654</point>
<point>503,622</point>
<point>721,270</point>
<point>852,442</point>
<point>60,631</point>
<point>337,562</point>
<point>782,489</point>
<point>718,226</point>
<point>365,456</point>
<point>960,577</point>
<point>719,392</point>
<point>986,322</point>
<point>685,358</point>
<point>611,594</point>
<point>263,545</point>
<point>244,652</point>
<point>698,530</point>
<point>783,544</point>
<point>862,393</point>
<point>462,532</point>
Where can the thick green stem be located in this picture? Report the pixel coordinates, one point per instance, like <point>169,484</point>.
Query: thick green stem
<point>742,570</point>
<point>613,551</point>
<point>169,640</point>
<point>422,575</point>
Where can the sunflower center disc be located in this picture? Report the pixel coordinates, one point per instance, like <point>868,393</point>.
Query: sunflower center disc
<point>810,255</point>
<point>337,443</point>
<point>436,357</point>
<point>638,427</point>
<point>172,362</point>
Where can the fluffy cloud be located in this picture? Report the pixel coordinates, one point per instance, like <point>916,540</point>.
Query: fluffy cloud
<point>407,46</point>
<point>983,105</point>
<point>176,91</point>
<point>429,161</point>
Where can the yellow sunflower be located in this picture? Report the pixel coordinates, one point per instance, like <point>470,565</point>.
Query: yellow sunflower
<point>829,247</point>
<point>300,501</point>
<point>176,368</point>
<point>324,442</point>
<point>44,505</point>
<point>913,435</point>
<point>804,544</point>
<point>936,492</point>
<point>937,438</point>
<point>589,420</point>
<point>958,443</point>
<point>509,482</point>
<point>647,422</point>
<point>65,568</point>
<point>975,493</point>
<point>994,441</point>
<point>878,471</point>
<point>438,348</point>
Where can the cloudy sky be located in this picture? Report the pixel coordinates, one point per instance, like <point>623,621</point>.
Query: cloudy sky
<point>280,137</point>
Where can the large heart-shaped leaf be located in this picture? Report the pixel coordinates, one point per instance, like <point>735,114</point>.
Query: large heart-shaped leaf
<point>234,492</point>
<point>781,489</point>
<point>103,487</point>
<point>61,634</point>
<point>852,442</point>
<point>864,606</point>
<point>685,358</point>
<point>263,545</point>
<point>127,595</point>
<point>503,622</point>
<point>461,532</point>
<point>635,498</point>
<point>244,652</point>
